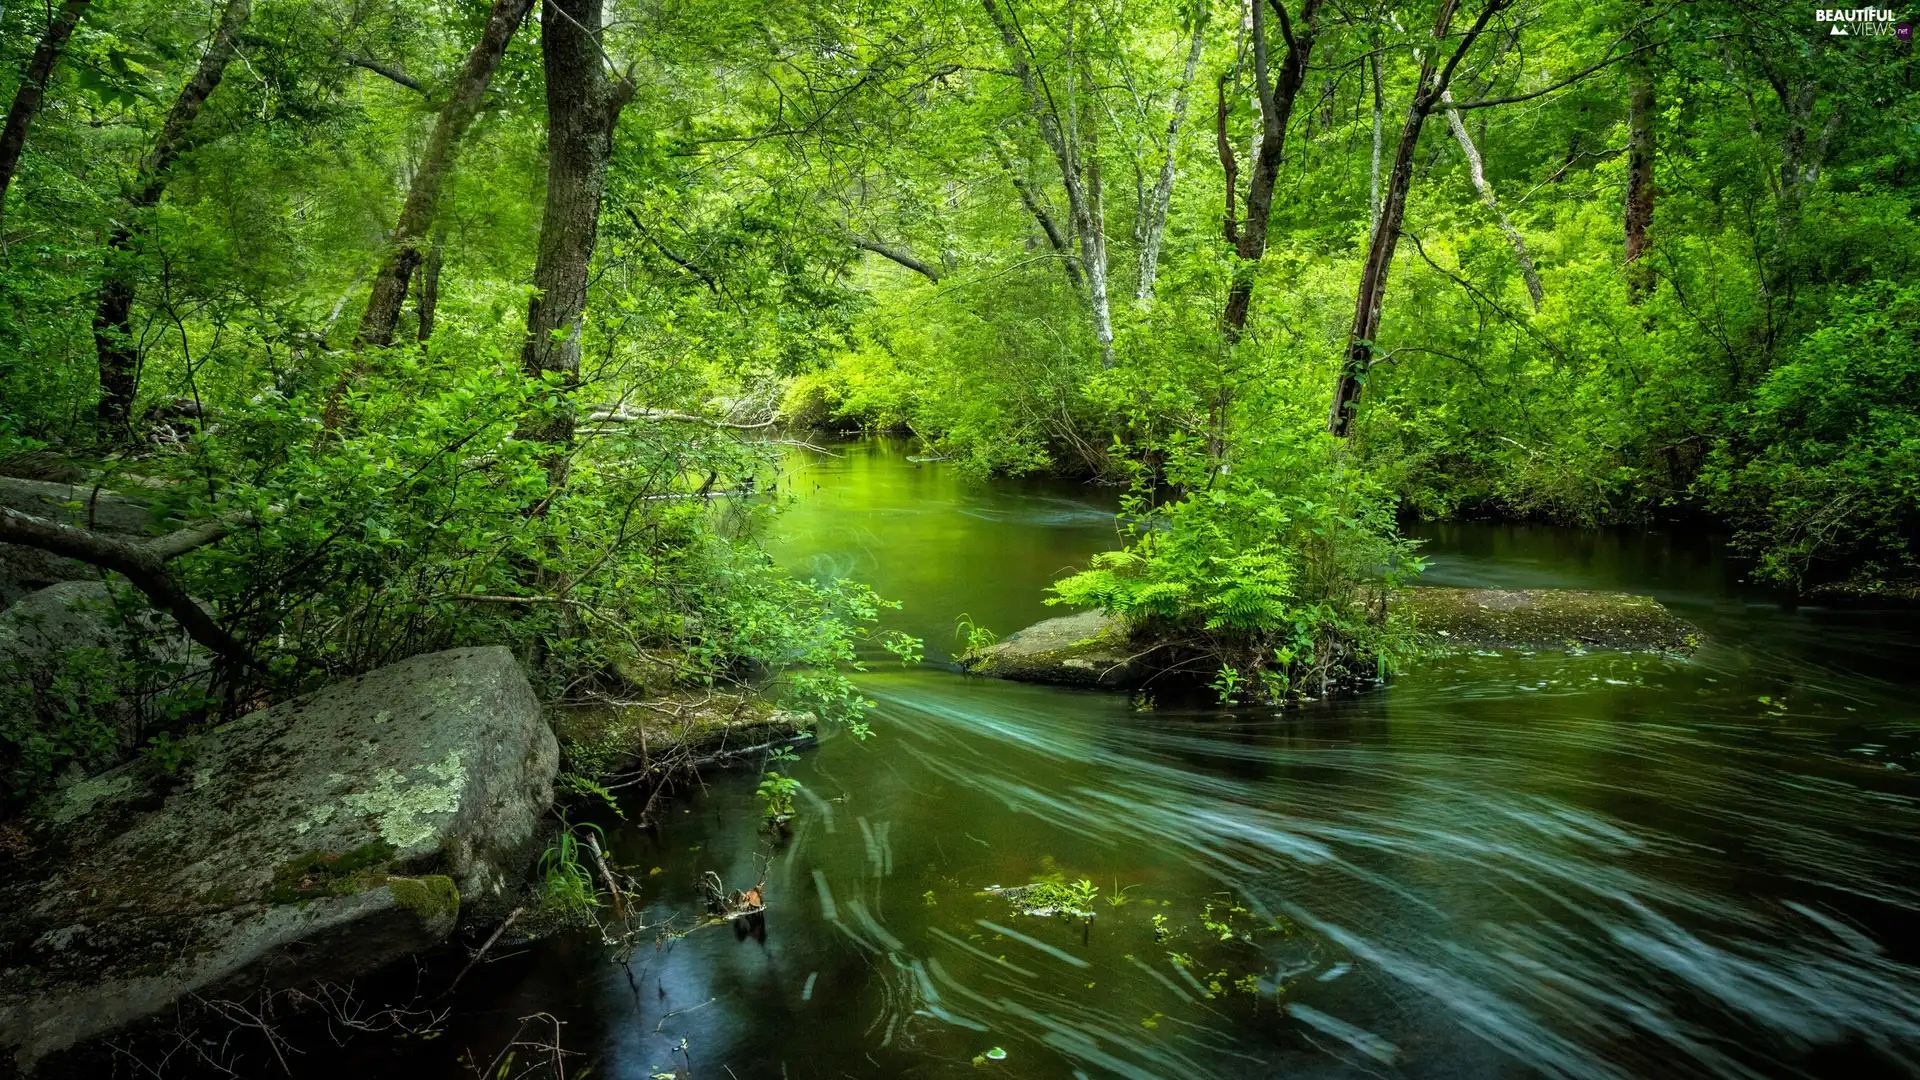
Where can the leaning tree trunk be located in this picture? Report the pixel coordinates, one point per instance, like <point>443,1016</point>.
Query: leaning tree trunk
<point>1276,96</point>
<point>1428,91</point>
<point>33,86</point>
<point>443,146</point>
<point>1056,240</point>
<point>1156,224</point>
<point>582,106</point>
<point>1477,170</point>
<point>113,338</point>
<point>1640,147</point>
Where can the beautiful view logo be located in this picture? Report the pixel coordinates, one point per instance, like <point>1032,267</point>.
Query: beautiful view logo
<point>1863,22</point>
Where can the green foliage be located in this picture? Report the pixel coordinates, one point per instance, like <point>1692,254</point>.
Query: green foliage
<point>1279,568</point>
<point>1823,467</point>
<point>586,787</point>
<point>911,650</point>
<point>776,792</point>
<point>974,638</point>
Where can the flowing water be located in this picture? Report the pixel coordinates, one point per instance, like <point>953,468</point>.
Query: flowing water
<point>1589,866</point>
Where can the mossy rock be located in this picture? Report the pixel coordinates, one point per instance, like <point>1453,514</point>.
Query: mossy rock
<point>1090,648</point>
<point>1097,650</point>
<point>1546,620</point>
<point>312,841</point>
<point>434,898</point>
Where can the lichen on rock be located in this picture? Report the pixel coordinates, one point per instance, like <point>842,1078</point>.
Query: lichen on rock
<point>316,839</point>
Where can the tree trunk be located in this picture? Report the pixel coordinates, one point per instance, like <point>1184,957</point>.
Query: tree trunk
<point>582,106</point>
<point>1379,143</point>
<point>1477,170</point>
<point>1640,193</point>
<point>1433,83</point>
<point>1276,95</point>
<point>1162,198</point>
<point>427,300</point>
<point>33,86</point>
<point>443,146</point>
<point>1041,215</point>
<point>1093,248</point>
<point>1077,177</point>
<point>113,319</point>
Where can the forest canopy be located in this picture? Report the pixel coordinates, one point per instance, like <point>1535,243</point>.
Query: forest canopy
<point>469,321</point>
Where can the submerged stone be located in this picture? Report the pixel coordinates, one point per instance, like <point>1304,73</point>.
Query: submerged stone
<point>314,840</point>
<point>1545,620</point>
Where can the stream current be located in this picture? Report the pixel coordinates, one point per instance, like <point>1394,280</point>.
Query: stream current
<point>1589,866</point>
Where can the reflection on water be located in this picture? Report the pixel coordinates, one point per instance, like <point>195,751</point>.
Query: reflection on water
<point>1582,866</point>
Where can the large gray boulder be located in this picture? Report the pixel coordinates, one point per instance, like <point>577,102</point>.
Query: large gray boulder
<point>23,569</point>
<point>311,841</point>
<point>81,668</point>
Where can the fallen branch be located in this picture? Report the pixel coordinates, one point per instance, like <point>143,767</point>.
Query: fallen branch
<point>495,936</point>
<point>606,875</point>
<point>622,415</point>
<point>144,564</point>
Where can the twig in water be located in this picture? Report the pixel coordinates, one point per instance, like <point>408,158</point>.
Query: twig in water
<point>501,929</point>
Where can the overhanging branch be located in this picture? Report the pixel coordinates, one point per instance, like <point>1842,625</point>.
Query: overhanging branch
<point>898,255</point>
<point>144,564</point>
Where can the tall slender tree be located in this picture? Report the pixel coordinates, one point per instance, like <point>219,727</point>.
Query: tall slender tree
<point>1276,93</point>
<point>1429,91</point>
<point>423,198</point>
<point>1640,192</point>
<point>119,353</point>
<point>33,88</point>
<point>1154,228</point>
<point>1477,172</point>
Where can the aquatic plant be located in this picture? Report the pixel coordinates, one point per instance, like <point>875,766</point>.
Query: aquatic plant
<point>567,884</point>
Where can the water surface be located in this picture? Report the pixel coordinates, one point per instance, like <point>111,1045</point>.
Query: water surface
<point>1574,866</point>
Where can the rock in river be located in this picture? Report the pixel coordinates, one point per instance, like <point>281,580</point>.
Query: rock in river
<point>1085,649</point>
<point>314,840</point>
<point>1095,649</point>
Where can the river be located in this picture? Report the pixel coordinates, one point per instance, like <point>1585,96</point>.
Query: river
<point>1572,866</point>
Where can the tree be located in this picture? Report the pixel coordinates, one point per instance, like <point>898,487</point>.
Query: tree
<point>119,353</point>
<point>583,105</point>
<point>1477,172</point>
<point>404,256</point>
<point>1430,88</point>
<point>1079,172</point>
<point>33,86</point>
<point>1640,190</point>
<point>1154,227</point>
<point>1276,94</point>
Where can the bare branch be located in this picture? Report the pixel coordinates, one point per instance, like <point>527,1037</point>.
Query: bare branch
<point>386,71</point>
<point>894,254</point>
